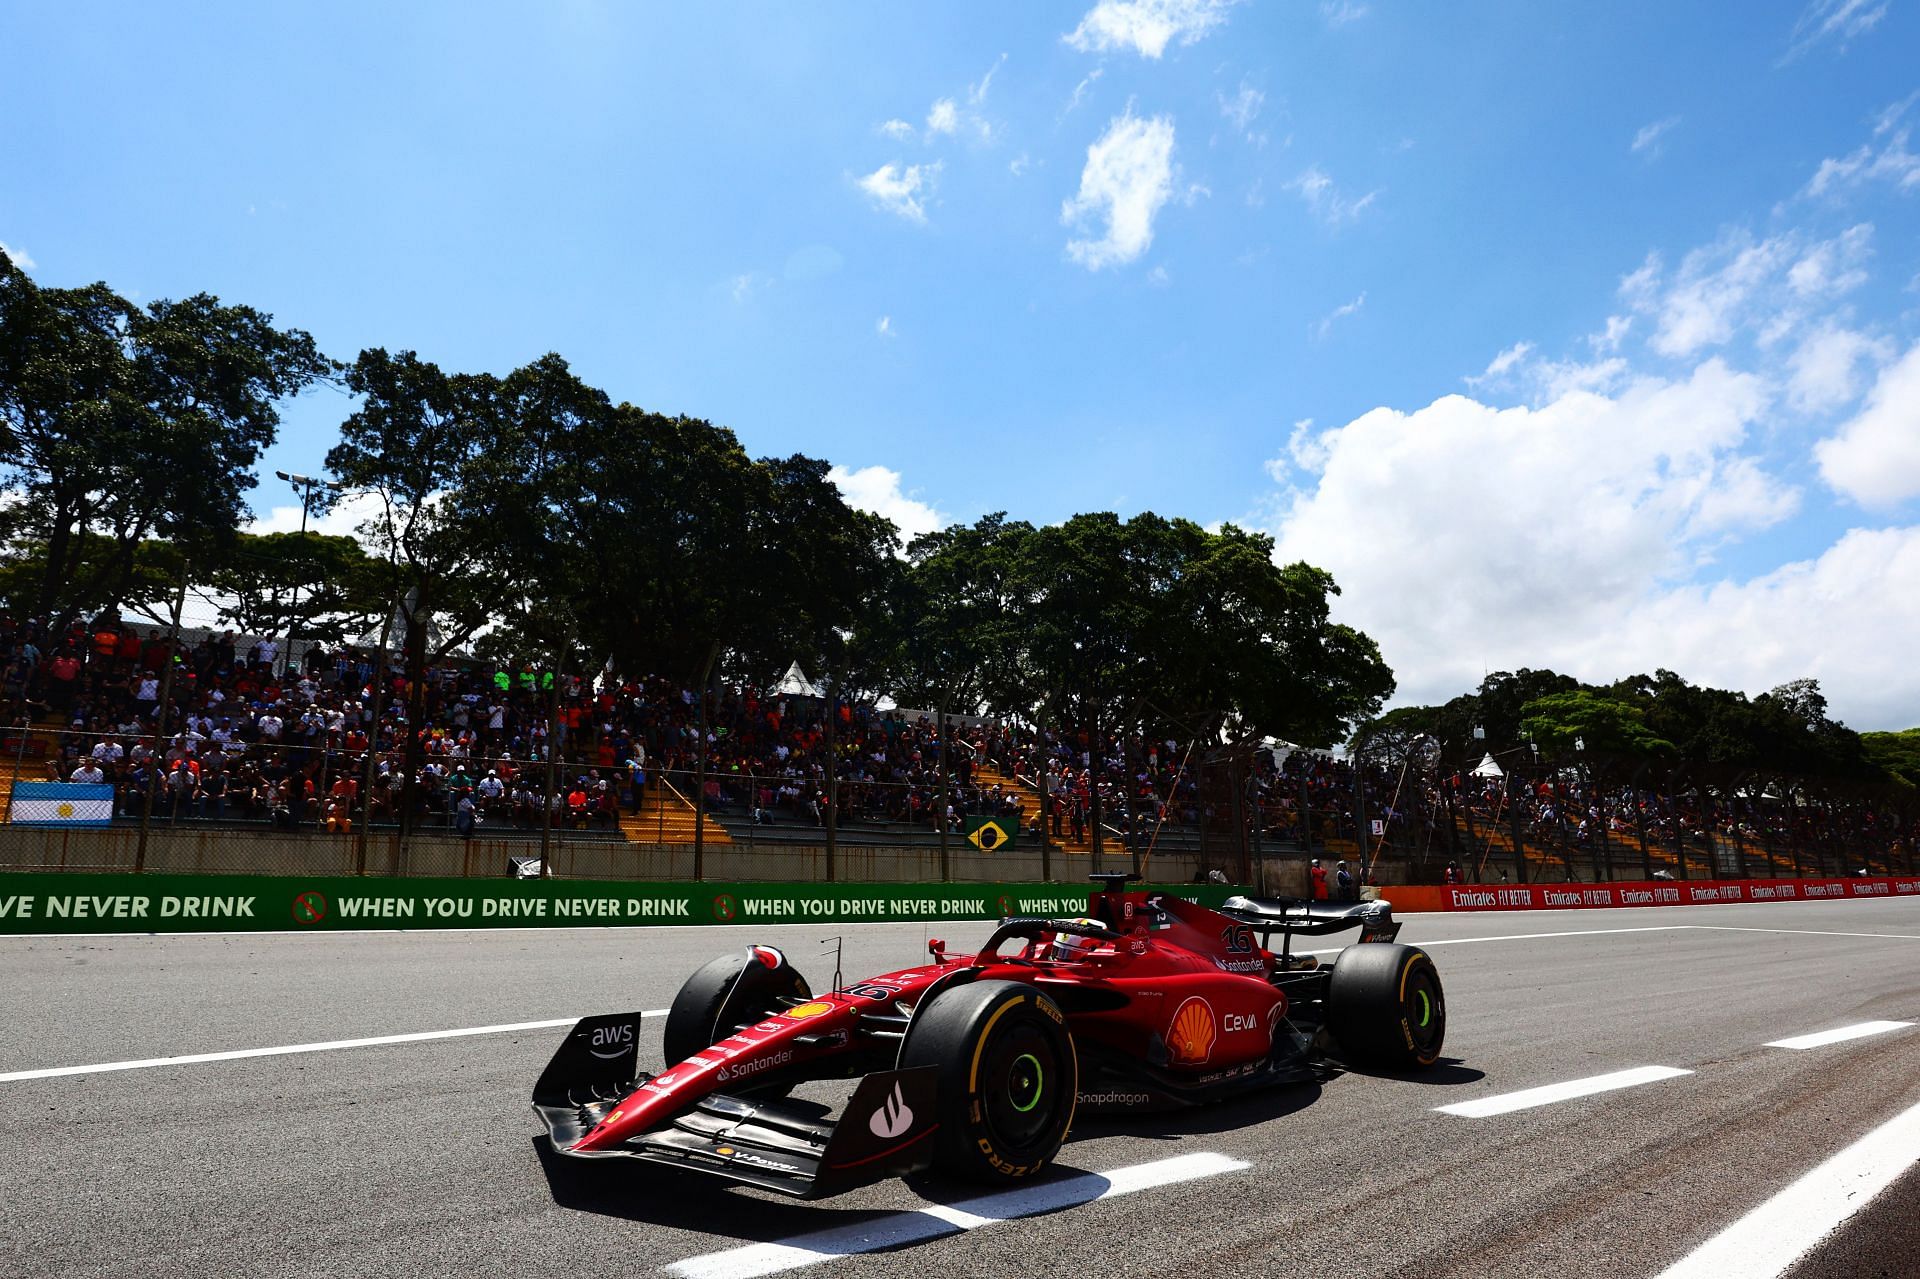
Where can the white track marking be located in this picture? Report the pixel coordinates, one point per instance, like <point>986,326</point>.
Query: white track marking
<point>1767,1241</point>
<point>1807,932</point>
<point>1821,1039</point>
<point>897,1229</point>
<point>1581,932</point>
<point>1550,1093</point>
<point>288,1049</point>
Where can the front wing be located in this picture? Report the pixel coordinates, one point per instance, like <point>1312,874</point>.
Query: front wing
<point>885,1130</point>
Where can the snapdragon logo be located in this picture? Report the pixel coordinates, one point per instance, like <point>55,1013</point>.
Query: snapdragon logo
<point>893,1117</point>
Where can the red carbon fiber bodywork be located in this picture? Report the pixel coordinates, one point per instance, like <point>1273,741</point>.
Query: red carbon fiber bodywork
<point>1182,986</point>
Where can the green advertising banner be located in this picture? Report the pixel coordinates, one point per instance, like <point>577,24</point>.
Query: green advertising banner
<point>122,903</point>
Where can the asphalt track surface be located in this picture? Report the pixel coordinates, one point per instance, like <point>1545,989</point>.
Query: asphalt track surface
<point>422,1158</point>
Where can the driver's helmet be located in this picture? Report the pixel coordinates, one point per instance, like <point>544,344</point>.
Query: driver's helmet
<point>1068,947</point>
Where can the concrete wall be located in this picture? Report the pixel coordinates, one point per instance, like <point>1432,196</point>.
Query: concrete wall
<point>259,852</point>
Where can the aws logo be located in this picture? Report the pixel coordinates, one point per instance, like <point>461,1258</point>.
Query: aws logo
<point>1191,1033</point>
<point>609,1042</point>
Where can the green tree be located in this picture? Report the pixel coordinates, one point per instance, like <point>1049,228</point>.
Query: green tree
<point>1897,755</point>
<point>121,425</point>
<point>1594,721</point>
<point>326,587</point>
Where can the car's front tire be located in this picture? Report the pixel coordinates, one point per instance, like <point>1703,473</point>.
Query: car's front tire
<point>733,991</point>
<point>1008,1078</point>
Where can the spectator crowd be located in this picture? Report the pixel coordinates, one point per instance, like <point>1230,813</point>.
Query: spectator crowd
<point>320,742</point>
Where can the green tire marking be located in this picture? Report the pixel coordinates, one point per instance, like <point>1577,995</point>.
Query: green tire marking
<point>1426,1008</point>
<point>1039,1082</point>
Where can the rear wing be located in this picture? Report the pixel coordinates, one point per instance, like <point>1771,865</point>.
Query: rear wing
<point>1294,917</point>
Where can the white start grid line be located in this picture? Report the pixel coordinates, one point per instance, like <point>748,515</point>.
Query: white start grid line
<point>1528,1098</point>
<point>1769,1240</point>
<point>898,1229</point>
<point>1839,1035</point>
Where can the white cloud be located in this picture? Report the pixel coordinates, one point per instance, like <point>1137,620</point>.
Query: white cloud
<point>877,489</point>
<point>1824,370</point>
<point>1709,296</point>
<point>1327,321</point>
<point>943,117</point>
<point>884,326</point>
<point>1875,457</point>
<point>1146,26</point>
<point>1835,266</point>
<point>1547,525</point>
<point>1243,107</point>
<point>1338,13</point>
<point>898,130</point>
<point>1502,364</point>
<point>1019,164</point>
<point>344,520</point>
<point>1829,618</point>
<point>1080,90</point>
<point>1834,19</point>
<point>1159,277</point>
<point>1890,160</point>
<point>977,92</point>
<point>1648,138</point>
<point>744,285</point>
<point>1128,177</point>
<point>1615,334</point>
<point>17,256</point>
<point>1326,200</point>
<point>902,190</point>
<point>1770,288</point>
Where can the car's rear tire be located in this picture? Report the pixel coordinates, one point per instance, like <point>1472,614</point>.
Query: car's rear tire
<point>1008,1078</point>
<point>733,991</point>
<point>1386,1008</point>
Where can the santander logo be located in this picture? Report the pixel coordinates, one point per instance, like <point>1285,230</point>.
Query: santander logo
<point>893,1117</point>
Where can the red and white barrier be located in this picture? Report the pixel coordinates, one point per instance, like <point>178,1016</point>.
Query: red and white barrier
<point>1471,897</point>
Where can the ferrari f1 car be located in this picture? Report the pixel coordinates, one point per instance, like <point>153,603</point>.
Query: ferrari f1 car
<point>976,1065</point>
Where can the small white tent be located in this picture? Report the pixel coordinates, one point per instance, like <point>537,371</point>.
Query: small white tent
<point>795,684</point>
<point>1487,768</point>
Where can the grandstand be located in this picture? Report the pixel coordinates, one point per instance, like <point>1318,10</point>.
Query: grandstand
<point>520,753</point>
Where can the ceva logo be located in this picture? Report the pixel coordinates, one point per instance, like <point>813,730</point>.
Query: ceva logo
<point>609,1042</point>
<point>893,1117</point>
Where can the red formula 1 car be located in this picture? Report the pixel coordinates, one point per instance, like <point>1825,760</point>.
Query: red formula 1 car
<point>976,1064</point>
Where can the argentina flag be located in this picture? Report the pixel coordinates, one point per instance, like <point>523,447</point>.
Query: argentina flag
<point>61,804</point>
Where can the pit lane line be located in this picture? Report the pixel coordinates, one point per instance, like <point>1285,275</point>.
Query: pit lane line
<point>919,1225</point>
<point>1770,1239</point>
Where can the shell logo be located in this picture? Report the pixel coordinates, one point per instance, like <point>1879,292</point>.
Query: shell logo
<point>1191,1033</point>
<point>809,1010</point>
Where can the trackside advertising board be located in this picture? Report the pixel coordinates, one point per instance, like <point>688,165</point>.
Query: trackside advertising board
<point>1454,897</point>
<point>121,903</point>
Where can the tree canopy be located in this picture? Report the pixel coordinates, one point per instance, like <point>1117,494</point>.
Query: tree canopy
<point>121,424</point>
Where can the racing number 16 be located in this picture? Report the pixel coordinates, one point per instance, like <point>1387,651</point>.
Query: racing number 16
<point>1238,939</point>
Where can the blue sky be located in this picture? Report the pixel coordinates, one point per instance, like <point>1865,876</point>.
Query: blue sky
<point>1570,337</point>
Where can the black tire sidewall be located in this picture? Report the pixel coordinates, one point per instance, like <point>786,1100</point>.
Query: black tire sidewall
<point>1374,1007</point>
<point>961,1034</point>
<point>721,993</point>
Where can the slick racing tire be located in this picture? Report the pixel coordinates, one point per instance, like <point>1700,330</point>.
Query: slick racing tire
<point>1008,1078</point>
<point>1385,1007</point>
<point>733,991</point>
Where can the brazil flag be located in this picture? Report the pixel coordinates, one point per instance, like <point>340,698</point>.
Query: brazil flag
<point>991,834</point>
